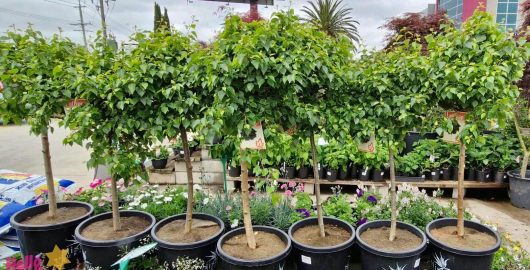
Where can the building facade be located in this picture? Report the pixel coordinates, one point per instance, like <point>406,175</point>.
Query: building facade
<point>506,12</point>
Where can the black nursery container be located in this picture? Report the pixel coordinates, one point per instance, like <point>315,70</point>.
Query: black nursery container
<point>345,173</point>
<point>205,250</point>
<point>445,174</point>
<point>276,262</point>
<point>375,259</point>
<point>434,175</point>
<point>470,174</point>
<point>41,239</point>
<point>483,175</point>
<point>354,172</point>
<point>159,163</point>
<point>364,174</point>
<point>317,258</point>
<point>104,253</point>
<point>378,175</point>
<point>321,172</point>
<point>234,171</point>
<point>303,172</point>
<point>290,172</point>
<point>445,257</point>
<point>331,175</point>
<point>519,189</point>
<point>500,177</point>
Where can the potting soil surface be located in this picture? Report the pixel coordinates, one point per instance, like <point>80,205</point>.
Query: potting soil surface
<point>267,246</point>
<point>379,238</point>
<point>103,229</point>
<point>310,236</point>
<point>63,214</point>
<point>472,240</point>
<point>174,231</point>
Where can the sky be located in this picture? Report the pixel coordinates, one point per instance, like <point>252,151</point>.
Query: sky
<point>126,16</point>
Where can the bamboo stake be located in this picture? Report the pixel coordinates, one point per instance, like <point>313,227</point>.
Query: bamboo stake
<point>461,168</point>
<point>247,221</point>
<point>317,185</point>
<point>52,200</point>
<point>189,168</point>
<point>393,197</point>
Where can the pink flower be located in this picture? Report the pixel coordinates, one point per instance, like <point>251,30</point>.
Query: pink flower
<point>253,193</point>
<point>78,191</point>
<point>63,189</point>
<point>120,183</point>
<point>39,201</point>
<point>228,208</point>
<point>300,187</point>
<point>283,186</point>
<point>292,184</point>
<point>107,198</point>
<point>288,193</point>
<point>96,183</point>
<point>101,204</point>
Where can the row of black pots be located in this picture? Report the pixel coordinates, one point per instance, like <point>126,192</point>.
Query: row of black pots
<point>35,240</point>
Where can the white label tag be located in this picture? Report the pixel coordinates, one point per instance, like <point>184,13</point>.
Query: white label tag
<point>329,173</point>
<point>433,173</point>
<point>504,177</point>
<point>382,173</point>
<point>487,176</point>
<point>417,263</point>
<point>364,173</point>
<point>432,158</point>
<point>423,176</point>
<point>441,172</point>
<point>306,260</point>
<point>318,166</point>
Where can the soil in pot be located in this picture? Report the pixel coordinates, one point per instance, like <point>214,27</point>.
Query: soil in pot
<point>63,214</point>
<point>472,240</point>
<point>103,231</point>
<point>174,231</point>
<point>378,238</point>
<point>310,235</point>
<point>267,245</point>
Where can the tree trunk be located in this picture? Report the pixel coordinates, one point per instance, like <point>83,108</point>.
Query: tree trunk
<point>393,195</point>
<point>189,208</point>
<point>317,185</point>
<point>247,221</point>
<point>52,201</point>
<point>461,168</point>
<point>115,206</point>
<point>524,163</point>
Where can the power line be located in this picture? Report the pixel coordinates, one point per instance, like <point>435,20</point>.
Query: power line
<point>31,15</point>
<point>60,3</point>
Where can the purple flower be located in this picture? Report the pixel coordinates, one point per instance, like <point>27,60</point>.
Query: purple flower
<point>362,221</point>
<point>303,212</point>
<point>359,192</point>
<point>372,199</point>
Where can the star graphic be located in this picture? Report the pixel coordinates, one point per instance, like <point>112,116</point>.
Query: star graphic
<point>57,258</point>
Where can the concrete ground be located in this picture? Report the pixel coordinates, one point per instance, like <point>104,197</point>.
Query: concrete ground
<point>21,151</point>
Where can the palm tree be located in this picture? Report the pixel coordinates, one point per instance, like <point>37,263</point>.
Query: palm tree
<point>332,17</point>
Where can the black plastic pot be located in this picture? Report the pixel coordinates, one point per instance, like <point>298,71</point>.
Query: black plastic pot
<point>303,172</point>
<point>234,171</point>
<point>353,170</point>
<point>290,172</point>
<point>519,189</point>
<point>445,174</point>
<point>104,253</point>
<point>205,250</point>
<point>378,175</point>
<point>321,172</point>
<point>376,259</point>
<point>483,175</point>
<point>434,175</point>
<point>41,239</point>
<point>331,174</point>
<point>345,174</point>
<point>500,177</point>
<point>276,262</point>
<point>469,174</point>
<point>445,257</point>
<point>159,163</point>
<point>317,258</point>
<point>364,174</point>
<point>178,152</point>
<point>454,173</point>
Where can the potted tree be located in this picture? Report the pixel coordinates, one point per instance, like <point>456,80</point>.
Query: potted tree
<point>519,184</point>
<point>465,79</point>
<point>36,74</point>
<point>395,97</point>
<point>159,157</point>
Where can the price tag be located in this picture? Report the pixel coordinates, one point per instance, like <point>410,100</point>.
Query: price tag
<point>423,176</point>
<point>364,173</point>
<point>441,172</point>
<point>382,173</point>
<point>433,173</point>
<point>416,263</point>
<point>368,146</point>
<point>256,140</point>
<point>306,260</point>
<point>487,176</point>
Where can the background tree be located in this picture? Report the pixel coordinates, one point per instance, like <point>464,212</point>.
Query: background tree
<point>414,27</point>
<point>36,74</point>
<point>332,17</point>
<point>159,19</point>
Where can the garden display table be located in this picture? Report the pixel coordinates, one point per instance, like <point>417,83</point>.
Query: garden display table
<point>380,186</point>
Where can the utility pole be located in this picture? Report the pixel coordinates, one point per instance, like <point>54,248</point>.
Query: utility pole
<point>103,23</point>
<point>82,22</point>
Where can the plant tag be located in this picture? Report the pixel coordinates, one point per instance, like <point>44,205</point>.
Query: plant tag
<point>318,166</point>
<point>364,173</point>
<point>382,173</point>
<point>504,176</point>
<point>306,260</point>
<point>432,158</point>
<point>256,140</point>
<point>461,119</point>
<point>441,172</point>
<point>368,146</point>
<point>433,173</point>
<point>487,176</point>
<point>417,263</point>
<point>328,173</point>
<point>423,176</point>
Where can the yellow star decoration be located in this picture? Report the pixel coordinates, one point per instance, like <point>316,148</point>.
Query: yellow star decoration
<point>57,258</point>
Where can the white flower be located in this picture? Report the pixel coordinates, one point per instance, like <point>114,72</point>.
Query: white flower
<point>140,197</point>
<point>275,182</point>
<point>154,191</point>
<point>197,187</point>
<point>95,199</point>
<point>206,200</point>
<point>434,193</point>
<point>234,223</point>
<point>167,199</point>
<point>184,194</point>
<point>144,205</point>
<point>147,194</point>
<point>158,202</point>
<point>155,186</point>
<point>159,196</point>
<point>135,203</point>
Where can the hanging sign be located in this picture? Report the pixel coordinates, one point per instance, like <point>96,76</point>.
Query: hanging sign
<point>256,140</point>
<point>368,146</point>
<point>460,117</point>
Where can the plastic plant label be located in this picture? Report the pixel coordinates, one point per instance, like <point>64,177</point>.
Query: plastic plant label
<point>487,176</point>
<point>306,260</point>
<point>256,140</point>
<point>382,173</point>
<point>417,263</point>
<point>135,253</point>
<point>364,173</point>
<point>432,158</point>
<point>433,173</point>
<point>368,146</point>
<point>328,173</point>
<point>441,172</point>
<point>423,176</point>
